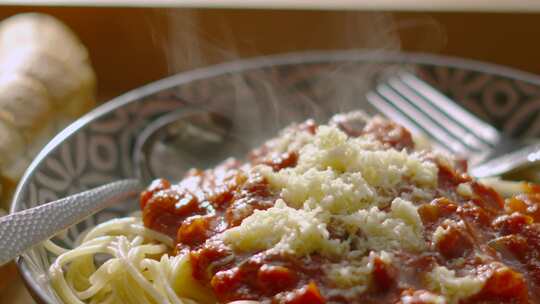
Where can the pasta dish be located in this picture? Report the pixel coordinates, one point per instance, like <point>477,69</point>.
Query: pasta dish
<point>353,211</point>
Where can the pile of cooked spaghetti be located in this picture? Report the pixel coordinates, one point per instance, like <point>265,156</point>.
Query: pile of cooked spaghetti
<point>355,211</point>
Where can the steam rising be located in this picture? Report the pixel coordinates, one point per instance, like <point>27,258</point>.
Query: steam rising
<point>262,101</point>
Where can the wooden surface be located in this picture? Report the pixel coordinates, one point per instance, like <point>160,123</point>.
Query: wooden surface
<point>408,5</point>
<point>131,47</point>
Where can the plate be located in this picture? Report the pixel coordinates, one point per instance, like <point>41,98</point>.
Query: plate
<point>261,95</point>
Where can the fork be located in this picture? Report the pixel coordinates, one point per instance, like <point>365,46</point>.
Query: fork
<point>418,106</point>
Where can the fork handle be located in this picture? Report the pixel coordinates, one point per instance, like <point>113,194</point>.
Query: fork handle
<point>526,156</point>
<point>21,230</point>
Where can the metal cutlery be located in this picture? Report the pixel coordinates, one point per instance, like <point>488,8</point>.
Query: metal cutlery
<point>418,106</point>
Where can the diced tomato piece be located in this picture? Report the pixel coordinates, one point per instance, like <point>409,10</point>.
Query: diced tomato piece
<point>510,246</point>
<point>454,243</point>
<point>309,126</point>
<point>504,284</point>
<point>532,188</point>
<point>528,204</point>
<point>384,275</point>
<point>161,220</point>
<point>194,230</point>
<point>385,131</point>
<point>511,224</point>
<point>255,194</point>
<point>283,160</point>
<point>275,278</point>
<point>221,196</point>
<point>488,198</point>
<point>476,215</point>
<point>225,281</point>
<point>449,178</point>
<point>516,204</point>
<point>164,212</point>
<point>438,208</point>
<point>155,186</point>
<point>204,257</point>
<point>308,294</point>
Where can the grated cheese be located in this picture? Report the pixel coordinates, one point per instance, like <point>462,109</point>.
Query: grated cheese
<point>284,230</point>
<point>399,229</point>
<point>464,189</point>
<point>331,148</point>
<point>425,298</point>
<point>345,179</point>
<point>406,211</point>
<point>342,175</point>
<point>336,193</point>
<point>289,139</point>
<point>454,288</point>
<point>357,275</point>
<point>439,233</point>
<point>346,184</point>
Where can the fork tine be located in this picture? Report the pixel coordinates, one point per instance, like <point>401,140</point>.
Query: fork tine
<point>452,110</point>
<point>439,118</point>
<point>392,113</point>
<point>384,97</point>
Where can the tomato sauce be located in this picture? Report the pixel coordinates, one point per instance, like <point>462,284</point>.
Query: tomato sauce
<point>494,239</point>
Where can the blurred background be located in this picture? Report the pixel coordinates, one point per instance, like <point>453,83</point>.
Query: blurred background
<point>131,46</point>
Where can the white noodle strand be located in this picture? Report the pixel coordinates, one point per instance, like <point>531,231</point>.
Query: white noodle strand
<point>129,275</point>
